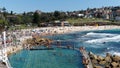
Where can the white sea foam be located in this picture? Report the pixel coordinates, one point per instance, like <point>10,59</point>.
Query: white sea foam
<point>117,53</point>
<point>108,48</point>
<point>100,34</point>
<point>96,46</point>
<point>113,53</point>
<point>107,39</point>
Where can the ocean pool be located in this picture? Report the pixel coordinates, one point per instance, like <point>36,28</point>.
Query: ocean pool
<point>99,42</point>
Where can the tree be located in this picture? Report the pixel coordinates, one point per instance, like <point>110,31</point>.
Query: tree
<point>4,11</point>
<point>24,13</point>
<point>57,15</point>
<point>11,13</point>
<point>19,20</point>
<point>63,15</point>
<point>26,19</point>
<point>15,20</point>
<point>36,18</point>
<point>3,23</point>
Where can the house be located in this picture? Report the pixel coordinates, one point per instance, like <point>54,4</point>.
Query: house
<point>116,15</point>
<point>80,15</point>
<point>65,23</point>
<point>61,23</point>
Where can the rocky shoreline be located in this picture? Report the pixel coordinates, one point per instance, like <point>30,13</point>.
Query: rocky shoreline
<point>29,43</point>
<point>109,61</point>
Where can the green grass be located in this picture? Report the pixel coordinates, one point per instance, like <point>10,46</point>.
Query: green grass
<point>21,26</point>
<point>74,21</point>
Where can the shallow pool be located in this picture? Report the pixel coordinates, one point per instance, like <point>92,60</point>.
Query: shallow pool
<point>57,58</point>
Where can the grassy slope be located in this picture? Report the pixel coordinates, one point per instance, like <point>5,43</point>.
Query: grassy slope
<point>78,21</point>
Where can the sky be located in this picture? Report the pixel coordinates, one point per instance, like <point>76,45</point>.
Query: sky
<point>20,6</point>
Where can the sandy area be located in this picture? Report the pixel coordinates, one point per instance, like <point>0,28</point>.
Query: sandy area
<point>62,30</point>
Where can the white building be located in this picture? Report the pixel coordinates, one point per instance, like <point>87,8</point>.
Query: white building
<point>80,15</point>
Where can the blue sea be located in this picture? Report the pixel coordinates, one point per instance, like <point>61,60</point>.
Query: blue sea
<point>98,42</point>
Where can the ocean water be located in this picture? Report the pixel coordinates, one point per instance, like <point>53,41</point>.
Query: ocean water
<point>98,42</point>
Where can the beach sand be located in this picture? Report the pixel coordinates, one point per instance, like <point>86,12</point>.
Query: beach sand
<point>63,30</point>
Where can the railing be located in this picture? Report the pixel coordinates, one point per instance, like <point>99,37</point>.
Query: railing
<point>5,58</point>
<point>4,52</point>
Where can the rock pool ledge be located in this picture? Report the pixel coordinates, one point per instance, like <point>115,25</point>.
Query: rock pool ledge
<point>86,58</point>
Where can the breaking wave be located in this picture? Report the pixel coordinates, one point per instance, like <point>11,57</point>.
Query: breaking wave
<point>113,53</point>
<point>117,53</point>
<point>106,39</point>
<point>100,34</point>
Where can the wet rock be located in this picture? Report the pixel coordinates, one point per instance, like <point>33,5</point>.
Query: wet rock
<point>108,55</point>
<point>116,58</point>
<point>108,59</point>
<point>107,62</point>
<point>95,66</point>
<point>119,65</point>
<point>94,61</point>
<point>100,58</point>
<point>108,66</point>
<point>38,41</point>
<point>114,64</point>
<point>93,56</point>
<point>90,53</point>
<point>102,62</point>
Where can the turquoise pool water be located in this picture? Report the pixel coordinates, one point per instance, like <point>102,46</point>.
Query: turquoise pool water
<point>57,58</point>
